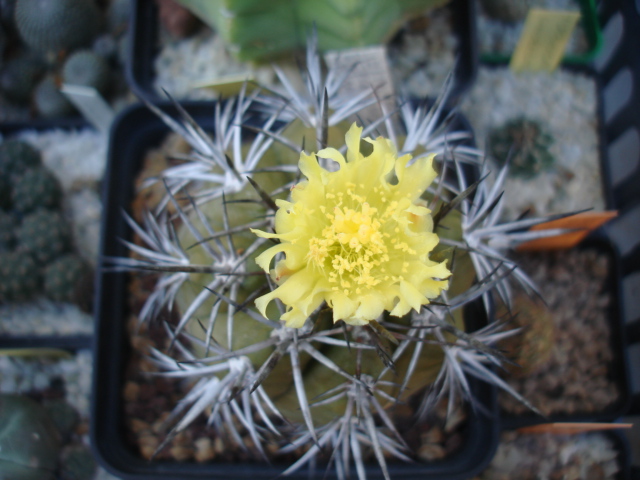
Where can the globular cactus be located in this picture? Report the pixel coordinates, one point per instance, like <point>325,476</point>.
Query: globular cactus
<point>36,188</point>
<point>525,144</point>
<point>64,277</point>
<point>53,25</point>
<point>49,101</point>
<point>16,156</point>
<point>88,69</point>
<point>29,442</point>
<point>256,31</point>
<point>508,11</point>
<point>20,277</point>
<point>44,234</point>
<point>315,287</point>
<point>19,76</point>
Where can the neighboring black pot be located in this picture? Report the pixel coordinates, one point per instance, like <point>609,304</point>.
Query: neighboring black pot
<point>134,132</point>
<point>145,32</point>
<point>618,371</point>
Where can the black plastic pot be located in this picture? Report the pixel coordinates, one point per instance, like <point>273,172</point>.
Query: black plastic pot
<point>145,46</point>
<point>134,132</point>
<point>618,370</point>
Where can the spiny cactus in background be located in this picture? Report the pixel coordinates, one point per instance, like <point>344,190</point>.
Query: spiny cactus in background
<point>508,11</point>
<point>16,156</point>
<point>63,278</point>
<point>256,30</point>
<point>320,276</point>
<point>44,234</point>
<point>19,277</point>
<point>36,188</point>
<point>88,69</point>
<point>53,25</point>
<point>525,144</point>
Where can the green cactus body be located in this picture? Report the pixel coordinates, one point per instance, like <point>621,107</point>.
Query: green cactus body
<point>51,25</point>
<point>29,442</point>
<point>17,156</point>
<point>318,379</point>
<point>63,278</point>
<point>63,415</point>
<point>19,277</point>
<point>87,69</point>
<point>525,143</point>
<point>256,32</point>
<point>44,234</point>
<point>36,188</point>
<point>49,101</point>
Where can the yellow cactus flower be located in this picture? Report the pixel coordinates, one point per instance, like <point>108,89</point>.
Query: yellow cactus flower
<point>354,238</point>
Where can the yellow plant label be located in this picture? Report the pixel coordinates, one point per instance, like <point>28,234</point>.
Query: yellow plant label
<point>543,40</point>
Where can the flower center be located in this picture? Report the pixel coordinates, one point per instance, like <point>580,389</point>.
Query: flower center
<point>351,248</point>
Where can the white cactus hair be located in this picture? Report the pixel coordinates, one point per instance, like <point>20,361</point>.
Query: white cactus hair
<point>226,385</point>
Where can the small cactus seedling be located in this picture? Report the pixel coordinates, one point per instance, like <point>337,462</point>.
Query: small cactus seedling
<point>29,442</point>
<point>16,156</point>
<point>52,25</point>
<point>63,278</point>
<point>88,69</point>
<point>524,144</point>
<point>36,188</point>
<point>19,277</point>
<point>44,234</point>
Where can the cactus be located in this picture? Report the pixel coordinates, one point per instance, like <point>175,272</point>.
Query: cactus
<point>52,25</point>
<point>316,286</point>
<point>36,188</point>
<point>19,277</point>
<point>88,69</point>
<point>250,26</point>
<point>525,144</point>
<point>508,11</point>
<point>16,156</point>
<point>29,442</point>
<point>49,100</point>
<point>44,234</point>
<point>63,278</point>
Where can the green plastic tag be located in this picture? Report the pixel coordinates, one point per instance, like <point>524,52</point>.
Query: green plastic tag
<point>543,40</point>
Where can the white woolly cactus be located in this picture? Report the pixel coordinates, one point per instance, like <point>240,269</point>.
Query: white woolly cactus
<point>319,269</point>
